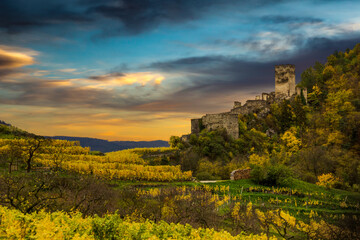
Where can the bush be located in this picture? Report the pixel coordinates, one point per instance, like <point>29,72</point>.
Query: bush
<point>96,153</point>
<point>258,174</point>
<point>206,176</point>
<point>328,180</point>
<point>275,175</point>
<point>279,175</point>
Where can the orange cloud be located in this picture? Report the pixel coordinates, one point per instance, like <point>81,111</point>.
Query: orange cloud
<point>58,83</point>
<point>141,77</point>
<point>120,79</point>
<point>15,57</point>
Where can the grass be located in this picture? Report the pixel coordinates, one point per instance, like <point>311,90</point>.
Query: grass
<point>308,198</point>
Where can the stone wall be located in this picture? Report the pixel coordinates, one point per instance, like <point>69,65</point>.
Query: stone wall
<point>196,125</point>
<point>250,106</point>
<point>237,104</point>
<point>240,174</point>
<point>222,120</point>
<point>284,80</point>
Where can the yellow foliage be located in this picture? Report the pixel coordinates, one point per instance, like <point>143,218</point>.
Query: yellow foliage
<point>257,160</point>
<point>292,143</point>
<point>327,180</point>
<point>59,225</point>
<point>335,138</point>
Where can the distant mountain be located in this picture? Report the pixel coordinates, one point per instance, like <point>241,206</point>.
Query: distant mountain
<point>110,146</point>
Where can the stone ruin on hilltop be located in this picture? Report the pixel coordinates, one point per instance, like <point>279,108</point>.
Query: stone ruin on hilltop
<point>285,88</point>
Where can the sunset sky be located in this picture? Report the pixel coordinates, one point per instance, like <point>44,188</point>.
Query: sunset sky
<point>141,69</point>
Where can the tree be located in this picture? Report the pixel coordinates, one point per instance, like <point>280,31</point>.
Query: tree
<point>11,154</point>
<point>31,148</point>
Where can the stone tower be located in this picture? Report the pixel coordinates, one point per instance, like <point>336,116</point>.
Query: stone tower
<point>284,81</point>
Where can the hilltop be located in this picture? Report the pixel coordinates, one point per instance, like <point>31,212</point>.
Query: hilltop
<point>9,131</point>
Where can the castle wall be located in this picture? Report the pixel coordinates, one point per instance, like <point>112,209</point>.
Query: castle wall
<point>284,80</point>
<point>250,106</point>
<point>196,125</point>
<point>237,104</point>
<point>222,120</point>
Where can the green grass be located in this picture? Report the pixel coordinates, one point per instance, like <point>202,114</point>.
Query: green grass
<point>308,197</point>
<point>322,201</point>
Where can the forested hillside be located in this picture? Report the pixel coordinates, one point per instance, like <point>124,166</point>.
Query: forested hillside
<point>314,141</point>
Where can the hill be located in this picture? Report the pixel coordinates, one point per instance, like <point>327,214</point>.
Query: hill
<point>110,146</point>
<point>9,131</point>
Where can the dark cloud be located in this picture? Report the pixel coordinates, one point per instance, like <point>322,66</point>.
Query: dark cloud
<point>131,16</point>
<point>290,19</point>
<point>137,16</point>
<point>22,15</point>
<point>39,92</point>
<point>239,71</point>
<point>106,77</point>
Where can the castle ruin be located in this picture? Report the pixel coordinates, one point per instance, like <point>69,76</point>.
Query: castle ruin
<point>285,88</point>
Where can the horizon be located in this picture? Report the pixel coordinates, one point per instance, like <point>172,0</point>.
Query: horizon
<point>139,70</point>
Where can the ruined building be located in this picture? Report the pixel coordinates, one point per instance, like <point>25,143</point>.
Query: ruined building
<point>285,88</point>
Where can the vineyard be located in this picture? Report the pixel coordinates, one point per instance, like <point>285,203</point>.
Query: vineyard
<point>59,225</point>
<point>121,165</point>
<point>268,219</point>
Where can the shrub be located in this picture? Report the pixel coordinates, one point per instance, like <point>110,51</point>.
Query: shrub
<point>328,180</point>
<point>279,175</point>
<point>274,175</point>
<point>258,174</point>
<point>206,176</point>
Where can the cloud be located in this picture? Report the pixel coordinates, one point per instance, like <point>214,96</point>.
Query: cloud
<point>12,58</point>
<point>126,16</point>
<point>138,16</point>
<point>68,70</point>
<point>107,77</point>
<point>32,87</point>
<point>120,79</point>
<point>290,19</point>
<point>19,16</point>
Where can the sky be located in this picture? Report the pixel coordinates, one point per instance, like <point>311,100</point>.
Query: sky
<point>141,69</point>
